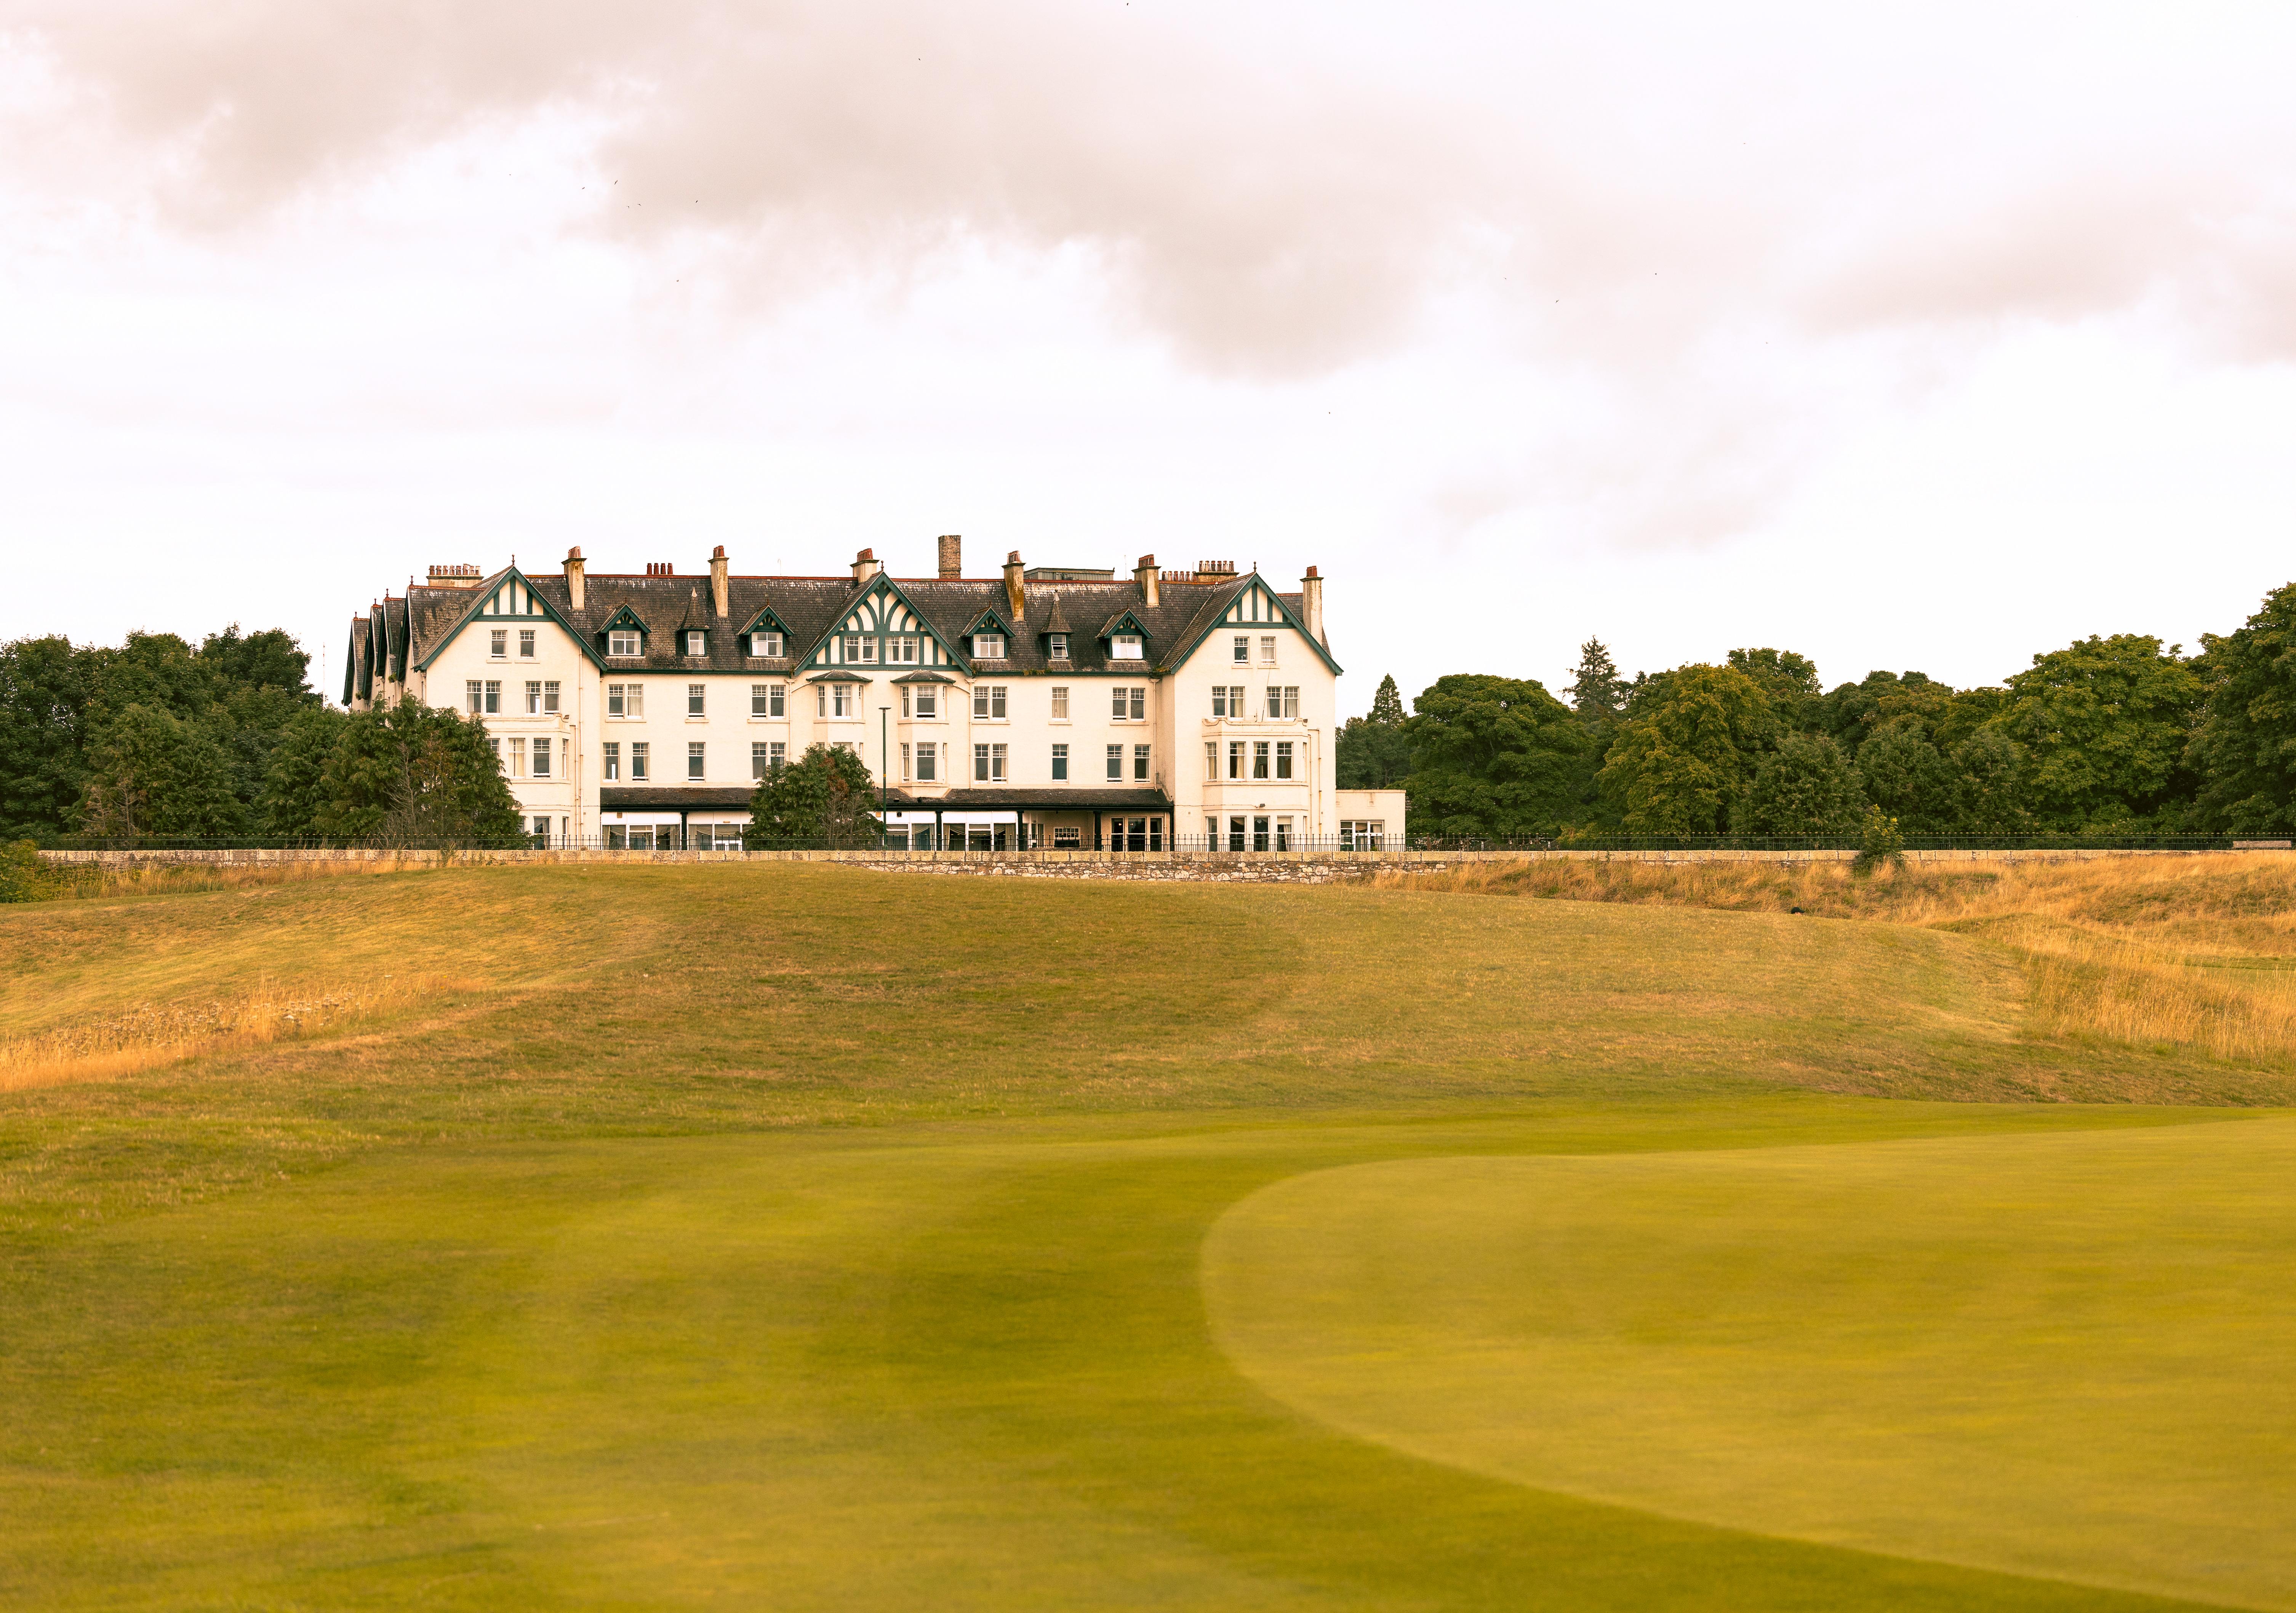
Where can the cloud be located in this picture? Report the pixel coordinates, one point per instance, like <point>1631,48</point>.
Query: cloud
<point>1726,237</point>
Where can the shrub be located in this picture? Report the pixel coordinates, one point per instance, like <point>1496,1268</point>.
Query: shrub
<point>1882,843</point>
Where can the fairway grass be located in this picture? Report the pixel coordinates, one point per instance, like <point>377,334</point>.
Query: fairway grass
<point>801,1236</point>
<point>2060,1356</point>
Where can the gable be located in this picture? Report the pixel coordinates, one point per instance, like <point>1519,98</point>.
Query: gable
<point>877,629</point>
<point>510,598</point>
<point>1256,605</point>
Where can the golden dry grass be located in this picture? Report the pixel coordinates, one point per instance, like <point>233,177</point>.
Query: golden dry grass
<point>149,1035</point>
<point>2164,952</point>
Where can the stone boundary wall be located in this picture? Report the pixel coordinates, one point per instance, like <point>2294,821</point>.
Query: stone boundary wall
<point>1296,867</point>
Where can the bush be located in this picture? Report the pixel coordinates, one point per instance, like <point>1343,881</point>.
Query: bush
<point>1882,843</point>
<point>24,875</point>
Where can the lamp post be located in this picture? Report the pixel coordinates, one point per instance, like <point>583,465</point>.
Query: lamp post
<point>884,769</point>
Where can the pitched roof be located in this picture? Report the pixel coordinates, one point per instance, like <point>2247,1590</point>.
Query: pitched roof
<point>812,607</point>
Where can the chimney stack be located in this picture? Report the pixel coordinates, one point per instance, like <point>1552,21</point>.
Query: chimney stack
<point>864,567</point>
<point>575,591</point>
<point>1014,594</point>
<point>719,598</point>
<point>1311,604</point>
<point>952,557</point>
<point>1146,574</point>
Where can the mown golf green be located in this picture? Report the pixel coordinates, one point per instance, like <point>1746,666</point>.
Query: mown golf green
<point>813,1238</point>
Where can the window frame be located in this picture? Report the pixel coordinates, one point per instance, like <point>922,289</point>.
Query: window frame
<point>610,761</point>
<point>1059,764</point>
<point>1142,756</point>
<point>696,761</point>
<point>697,699</point>
<point>1126,647</point>
<point>526,644</point>
<point>765,646</point>
<point>641,762</point>
<point>1116,764</point>
<point>697,641</point>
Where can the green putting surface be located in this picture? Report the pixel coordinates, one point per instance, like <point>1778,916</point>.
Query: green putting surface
<point>2065,1355</point>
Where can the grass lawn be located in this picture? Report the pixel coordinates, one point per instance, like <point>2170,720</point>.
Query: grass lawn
<point>810,1238</point>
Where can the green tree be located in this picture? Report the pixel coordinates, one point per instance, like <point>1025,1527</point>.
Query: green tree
<point>413,773</point>
<point>1788,682</point>
<point>1803,786</point>
<point>156,773</point>
<point>1910,779</point>
<point>1989,782</point>
<point>826,794</point>
<point>46,686</point>
<point>1686,756</point>
<point>1598,694</point>
<point>2103,725</point>
<point>1495,758</point>
<point>2244,747</point>
<point>24,875</point>
<point>1852,713</point>
<point>1373,752</point>
<point>295,796</point>
<point>1387,702</point>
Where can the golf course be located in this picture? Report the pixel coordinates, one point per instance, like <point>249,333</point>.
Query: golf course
<point>808,1236</point>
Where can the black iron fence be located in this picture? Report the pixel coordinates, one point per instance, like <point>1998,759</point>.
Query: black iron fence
<point>1029,839</point>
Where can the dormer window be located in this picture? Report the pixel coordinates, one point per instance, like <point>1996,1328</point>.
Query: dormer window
<point>1056,646</point>
<point>989,646</point>
<point>621,643</point>
<point>1123,647</point>
<point>765,644</point>
<point>694,642</point>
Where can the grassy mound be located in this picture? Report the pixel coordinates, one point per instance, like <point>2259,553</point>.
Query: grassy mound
<point>805,1237</point>
<point>2040,1354</point>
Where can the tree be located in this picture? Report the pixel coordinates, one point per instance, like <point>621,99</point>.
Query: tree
<point>1373,752</point>
<point>414,774</point>
<point>156,773</point>
<point>1387,703</point>
<point>1788,682</point>
<point>1495,757</point>
<point>1911,781</point>
<point>2103,725</point>
<point>1805,786</point>
<point>1598,694</point>
<point>1990,780</point>
<point>1854,712</point>
<point>45,685</point>
<point>2244,747</point>
<point>825,795</point>
<point>1684,758</point>
<point>295,795</point>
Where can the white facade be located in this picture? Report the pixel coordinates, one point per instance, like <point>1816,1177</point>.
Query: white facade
<point>1066,710</point>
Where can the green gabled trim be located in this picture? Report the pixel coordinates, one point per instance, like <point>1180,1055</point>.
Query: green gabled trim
<point>487,591</point>
<point>838,674</point>
<point>1115,625</point>
<point>626,614</point>
<point>922,677</point>
<point>886,584</point>
<point>997,623</point>
<point>766,621</point>
<point>1290,618</point>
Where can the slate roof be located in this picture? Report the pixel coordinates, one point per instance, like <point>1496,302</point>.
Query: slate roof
<point>810,607</point>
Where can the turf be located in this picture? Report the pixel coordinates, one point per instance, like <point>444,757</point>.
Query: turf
<point>809,1238</point>
<point>2050,1355</point>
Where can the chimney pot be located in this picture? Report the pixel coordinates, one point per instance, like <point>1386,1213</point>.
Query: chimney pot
<point>1150,579</point>
<point>719,552</point>
<point>952,556</point>
<point>865,566</point>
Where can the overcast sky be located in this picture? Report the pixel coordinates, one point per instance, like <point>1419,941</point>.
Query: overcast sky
<point>1920,337</point>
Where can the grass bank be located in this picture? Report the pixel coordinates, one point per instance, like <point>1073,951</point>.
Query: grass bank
<point>796,1236</point>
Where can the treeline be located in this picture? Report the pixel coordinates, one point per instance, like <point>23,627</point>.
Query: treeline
<point>155,737</point>
<point>2109,736</point>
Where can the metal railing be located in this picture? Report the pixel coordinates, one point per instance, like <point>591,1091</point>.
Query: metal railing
<point>1005,837</point>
